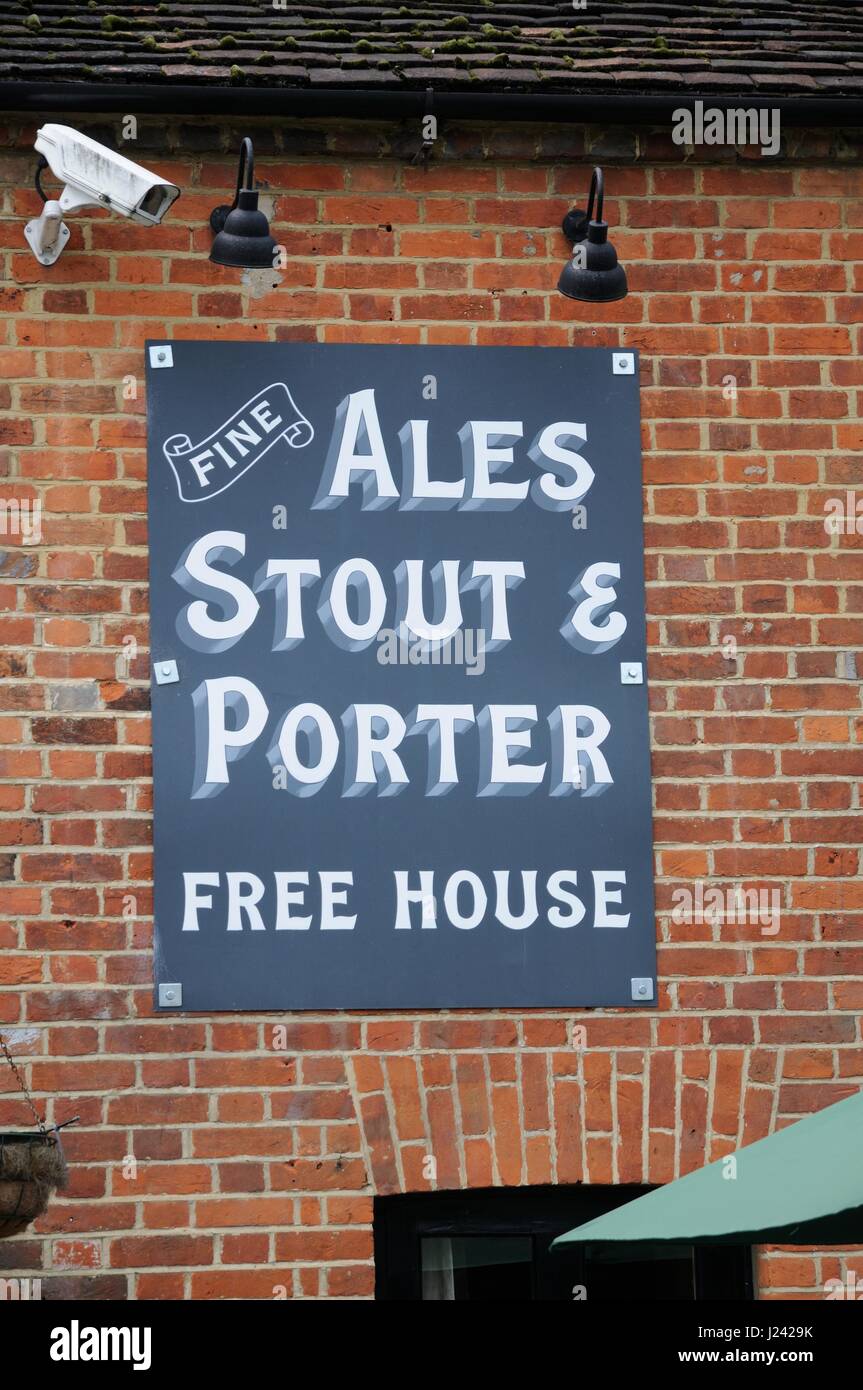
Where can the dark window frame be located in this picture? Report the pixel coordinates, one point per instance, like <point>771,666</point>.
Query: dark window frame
<point>401,1222</point>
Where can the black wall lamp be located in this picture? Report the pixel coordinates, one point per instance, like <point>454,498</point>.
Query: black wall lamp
<point>242,232</point>
<point>593,273</point>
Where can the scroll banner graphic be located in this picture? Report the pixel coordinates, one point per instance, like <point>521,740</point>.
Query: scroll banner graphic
<point>206,469</point>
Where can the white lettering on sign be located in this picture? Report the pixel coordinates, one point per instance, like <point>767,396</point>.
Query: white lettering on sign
<point>297,900</point>
<point>355,602</point>
<point>306,743</point>
<point>358,455</point>
<point>353,605</point>
<point>206,469</point>
<point>433,528</point>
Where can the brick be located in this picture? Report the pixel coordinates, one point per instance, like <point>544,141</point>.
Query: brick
<point>247,1156</point>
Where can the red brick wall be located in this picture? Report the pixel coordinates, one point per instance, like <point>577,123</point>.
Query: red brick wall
<point>256,1167</point>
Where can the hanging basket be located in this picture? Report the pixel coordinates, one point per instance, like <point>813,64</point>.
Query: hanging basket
<point>32,1166</point>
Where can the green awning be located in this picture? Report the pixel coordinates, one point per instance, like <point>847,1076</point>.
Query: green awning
<point>800,1186</point>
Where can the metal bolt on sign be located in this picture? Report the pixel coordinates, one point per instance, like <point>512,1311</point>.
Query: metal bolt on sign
<point>166,672</point>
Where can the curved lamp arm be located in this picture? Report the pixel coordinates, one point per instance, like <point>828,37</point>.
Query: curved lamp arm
<point>576,222</point>
<point>247,169</point>
<point>245,184</point>
<point>597,187</point>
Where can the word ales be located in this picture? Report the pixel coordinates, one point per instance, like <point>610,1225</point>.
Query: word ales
<point>353,607</point>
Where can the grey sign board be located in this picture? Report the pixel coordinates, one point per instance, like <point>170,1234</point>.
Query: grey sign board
<point>399,700</point>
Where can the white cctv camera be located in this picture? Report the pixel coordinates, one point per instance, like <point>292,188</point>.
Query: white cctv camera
<point>94,177</point>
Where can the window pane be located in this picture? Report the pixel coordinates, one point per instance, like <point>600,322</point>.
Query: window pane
<point>634,1272</point>
<point>476,1267</point>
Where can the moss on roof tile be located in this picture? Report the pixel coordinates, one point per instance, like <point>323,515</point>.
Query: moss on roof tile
<point>725,46</point>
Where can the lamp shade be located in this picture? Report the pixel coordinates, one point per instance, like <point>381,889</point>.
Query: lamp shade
<point>594,272</point>
<point>244,238</point>
<point>242,232</point>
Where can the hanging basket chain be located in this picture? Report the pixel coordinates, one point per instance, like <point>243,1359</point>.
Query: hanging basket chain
<point>22,1084</point>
